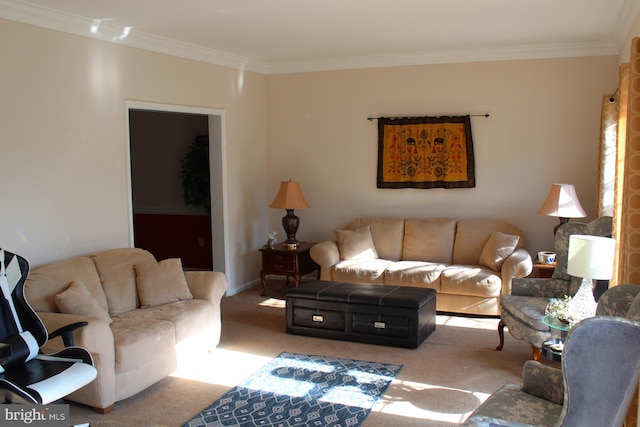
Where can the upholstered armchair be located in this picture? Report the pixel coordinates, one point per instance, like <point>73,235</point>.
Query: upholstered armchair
<point>523,309</point>
<point>600,366</point>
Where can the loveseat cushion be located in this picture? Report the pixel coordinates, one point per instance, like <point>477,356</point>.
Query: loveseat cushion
<point>43,283</point>
<point>118,277</point>
<point>414,273</point>
<point>429,239</point>
<point>76,299</point>
<point>161,282</point>
<point>473,234</point>
<point>470,280</point>
<point>189,317</point>
<point>356,244</point>
<point>387,234</point>
<point>365,271</point>
<point>497,249</point>
<point>136,338</point>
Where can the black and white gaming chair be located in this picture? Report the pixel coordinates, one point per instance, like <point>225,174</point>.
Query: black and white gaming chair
<point>26,375</point>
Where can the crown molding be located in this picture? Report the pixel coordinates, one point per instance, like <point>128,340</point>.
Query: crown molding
<point>27,13</point>
<point>448,57</point>
<point>81,26</point>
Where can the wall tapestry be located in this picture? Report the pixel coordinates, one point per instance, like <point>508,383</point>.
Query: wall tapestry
<point>425,152</point>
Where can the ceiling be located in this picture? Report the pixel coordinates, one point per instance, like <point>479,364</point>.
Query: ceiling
<point>278,36</point>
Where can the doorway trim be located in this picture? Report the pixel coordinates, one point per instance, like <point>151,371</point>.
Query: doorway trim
<point>217,165</point>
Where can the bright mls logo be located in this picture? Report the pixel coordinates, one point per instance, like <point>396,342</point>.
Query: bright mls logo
<point>35,415</point>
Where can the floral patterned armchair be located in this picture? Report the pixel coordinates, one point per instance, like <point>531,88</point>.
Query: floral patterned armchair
<point>600,367</point>
<point>523,309</point>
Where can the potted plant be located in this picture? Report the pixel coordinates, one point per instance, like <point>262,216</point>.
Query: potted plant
<point>195,174</point>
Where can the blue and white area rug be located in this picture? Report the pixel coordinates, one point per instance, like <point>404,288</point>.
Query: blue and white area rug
<point>301,390</point>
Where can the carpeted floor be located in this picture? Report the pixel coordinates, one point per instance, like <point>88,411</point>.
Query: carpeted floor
<point>301,390</point>
<point>441,382</point>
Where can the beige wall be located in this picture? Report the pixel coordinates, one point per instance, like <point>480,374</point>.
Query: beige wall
<point>62,131</point>
<point>543,128</point>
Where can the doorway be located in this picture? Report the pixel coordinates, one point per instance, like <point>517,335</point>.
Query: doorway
<point>215,243</point>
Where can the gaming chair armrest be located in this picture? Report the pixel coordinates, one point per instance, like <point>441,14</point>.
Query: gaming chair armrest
<point>66,332</point>
<point>5,352</point>
<point>96,336</point>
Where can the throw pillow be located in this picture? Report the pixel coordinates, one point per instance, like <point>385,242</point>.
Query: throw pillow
<point>497,249</point>
<point>161,283</point>
<point>356,244</point>
<point>77,299</point>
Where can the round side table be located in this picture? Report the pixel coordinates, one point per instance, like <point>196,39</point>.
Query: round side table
<point>553,347</point>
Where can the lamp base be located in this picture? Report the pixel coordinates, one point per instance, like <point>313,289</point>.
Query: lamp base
<point>562,221</point>
<point>583,304</point>
<point>290,223</point>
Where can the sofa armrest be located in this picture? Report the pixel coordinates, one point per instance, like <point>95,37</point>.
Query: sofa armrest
<point>326,255</point>
<point>207,285</point>
<point>95,336</point>
<point>518,264</point>
<point>543,381</point>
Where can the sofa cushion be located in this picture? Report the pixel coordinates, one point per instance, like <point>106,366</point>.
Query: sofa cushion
<point>472,235</point>
<point>189,317</point>
<point>161,282</point>
<point>76,299</point>
<point>43,283</point>
<point>387,234</point>
<point>428,239</point>
<point>497,250</point>
<point>414,273</point>
<point>356,244</point>
<point>470,280</point>
<point>366,271</point>
<point>118,277</point>
<point>136,338</point>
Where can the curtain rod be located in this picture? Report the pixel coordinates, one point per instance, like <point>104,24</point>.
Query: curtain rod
<point>377,118</point>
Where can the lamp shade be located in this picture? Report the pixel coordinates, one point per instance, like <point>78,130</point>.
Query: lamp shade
<point>563,202</point>
<point>289,196</point>
<point>591,257</point>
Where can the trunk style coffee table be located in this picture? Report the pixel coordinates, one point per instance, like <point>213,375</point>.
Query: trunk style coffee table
<point>397,316</point>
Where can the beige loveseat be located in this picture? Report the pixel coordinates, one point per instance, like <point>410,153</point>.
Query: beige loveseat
<point>470,263</point>
<point>141,314</point>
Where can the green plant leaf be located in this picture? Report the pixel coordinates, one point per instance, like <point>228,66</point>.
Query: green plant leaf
<point>196,175</point>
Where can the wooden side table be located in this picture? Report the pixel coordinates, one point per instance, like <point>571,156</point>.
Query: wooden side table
<point>284,262</point>
<point>543,271</point>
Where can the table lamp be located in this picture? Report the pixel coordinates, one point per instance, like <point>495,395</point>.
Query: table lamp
<point>590,257</point>
<point>562,201</point>
<point>290,197</point>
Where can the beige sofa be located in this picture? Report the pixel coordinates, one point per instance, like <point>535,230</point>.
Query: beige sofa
<point>141,314</point>
<point>469,262</point>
